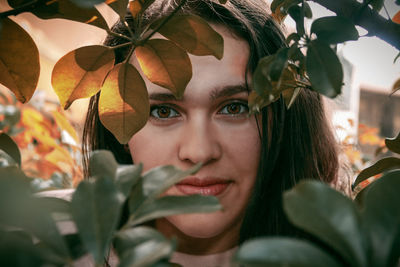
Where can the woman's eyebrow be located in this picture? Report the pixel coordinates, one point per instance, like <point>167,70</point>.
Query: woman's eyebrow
<point>162,97</point>
<point>227,91</point>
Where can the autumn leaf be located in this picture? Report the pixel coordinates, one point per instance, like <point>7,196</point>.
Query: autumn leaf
<point>165,64</point>
<point>19,60</point>
<point>135,7</point>
<point>124,104</point>
<point>81,72</point>
<point>193,34</point>
<point>64,124</point>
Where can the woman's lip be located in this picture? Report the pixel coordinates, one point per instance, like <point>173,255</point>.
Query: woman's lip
<point>206,186</point>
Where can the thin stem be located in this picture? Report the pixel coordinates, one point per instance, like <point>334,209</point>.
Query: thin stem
<point>387,13</point>
<point>21,9</point>
<point>119,46</point>
<point>130,54</point>
<point>119,35</point>
<point>164,21</point>
<point>127,27</point>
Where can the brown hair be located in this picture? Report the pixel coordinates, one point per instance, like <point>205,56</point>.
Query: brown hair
<point>297,143</point>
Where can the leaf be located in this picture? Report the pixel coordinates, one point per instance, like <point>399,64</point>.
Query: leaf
<point>295,13</point>
<point>334,29</point>
<point>376,4</point>
<point>127,177</point>
<point>396,87</point>
<point>135,7</point>
<point>96,208</point>
<point>193,34</point>
<point>278,64</point>
<point>275,4</point>
<point>290,95</point>
<point>119,6</point>
<point>172,205</point>
<point>293,37</point>
<point>393,144</point>
<point>324,69</point>
<point>132,237</point>
<point>378,167</point>
<point>165,64</point>
<point>81,72</point>
<point>65,9</point>
<point>282,252</point>
<point>328,215</point>
<point>260,81</point>
<point>397,57</point>
<point>19,60</point>
<point>63,123</point>
<point>75,246</point>
<point>396,18</point>
<point>10,147</point>
<point>307,10</point>
<point>60,209</point>
<point>159,179</point>
<point>382,217</point>
<point>124,105</point>
<point>103,164</point>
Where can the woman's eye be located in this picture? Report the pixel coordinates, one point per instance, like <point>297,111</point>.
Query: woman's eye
<point>234,109</point>
<point>163,112</point>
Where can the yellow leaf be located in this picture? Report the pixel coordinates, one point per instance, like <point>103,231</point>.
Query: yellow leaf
<point>19,60</point>
<point>165,64</point>
<point>124,104</point>
<point>81,72</point>
<point>193,34</point>
<point>396,86</point>
<point>64,124</point>
<point>135,7</point>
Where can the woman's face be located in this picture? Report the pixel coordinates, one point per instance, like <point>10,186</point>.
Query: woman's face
<point>209,125</point>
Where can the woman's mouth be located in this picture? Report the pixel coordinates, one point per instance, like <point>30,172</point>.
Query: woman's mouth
<point>207,186</point>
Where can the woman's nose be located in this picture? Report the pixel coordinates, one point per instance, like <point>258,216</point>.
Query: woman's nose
<point>199,143</point>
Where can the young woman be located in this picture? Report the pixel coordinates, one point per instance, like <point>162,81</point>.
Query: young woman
<point>248,161</point>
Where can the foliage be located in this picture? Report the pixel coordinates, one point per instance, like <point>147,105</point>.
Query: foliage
<point>361,233</point>
<point>29,223</point>
<point>48,142</point>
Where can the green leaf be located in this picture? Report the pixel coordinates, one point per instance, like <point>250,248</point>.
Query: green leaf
<point>293,37</point>
<point>119,6</point>
<point>75,246</point>
<point>10,147</point>
<point>307,11</point>
<point>172,205</point>
<point>160,179</point>
<point>65,9</point>
<point>193,34</point>
<point>81,73</point>
<point>260,81</point>
<point>324,69</point>
<point>275,4</point>
<point>282,252</point>
<point>295,13</point>
<point>397,2</point>
<point>334,29</point>
<point>96,208</point>
<point>132,237</point>
<point>124,102</point>
<point>19,60</point>
<point>382,217</point>
<point>278,64</point>
<point>393,144</point>
<point>382,165</point>
<point>127,177</point>
<point>136,197</point>
<point>165,64</point>
<point>330,216</point>
<point>376,4</point>
<point>59,209</point>
<point>103,164</point>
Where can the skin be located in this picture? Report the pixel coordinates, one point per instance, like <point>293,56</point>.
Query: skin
<point>209,125</point>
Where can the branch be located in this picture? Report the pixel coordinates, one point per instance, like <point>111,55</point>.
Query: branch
<point>27,7</point>
<point>367,18</point>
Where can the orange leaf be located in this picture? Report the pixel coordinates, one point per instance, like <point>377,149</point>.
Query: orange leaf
<point>64,124</point>
<point>124,104</point>
<point>135,7</point>
<point>81,72</point>
<point>165,64</point>
<point>396,18</point>
<point>19,60</point>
